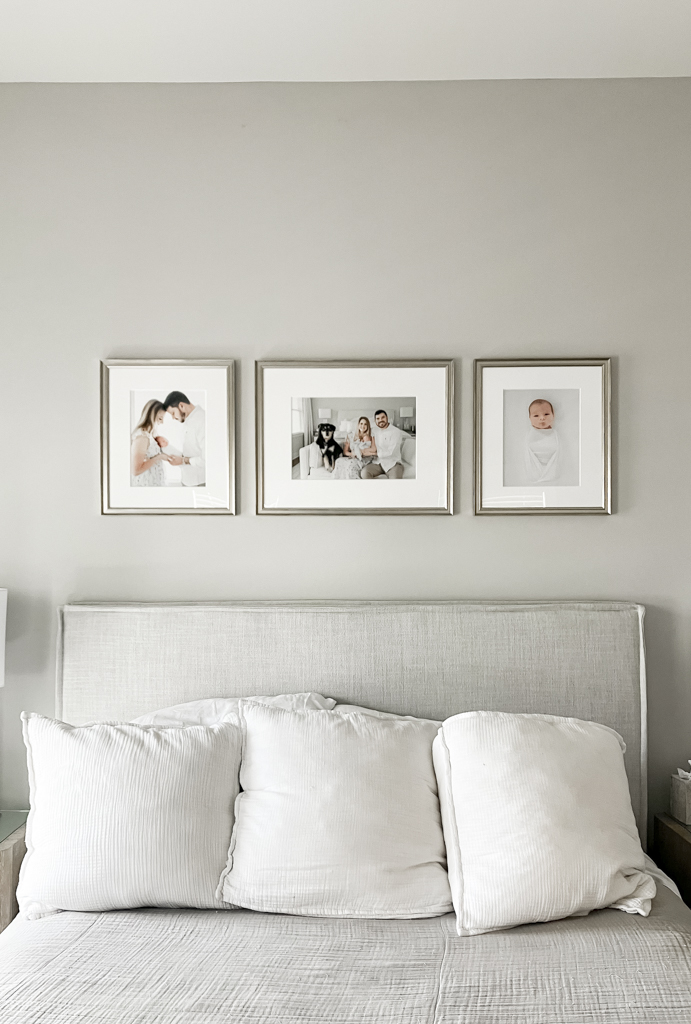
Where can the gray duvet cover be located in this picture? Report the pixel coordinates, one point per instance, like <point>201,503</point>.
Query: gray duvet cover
<point>194,967</point>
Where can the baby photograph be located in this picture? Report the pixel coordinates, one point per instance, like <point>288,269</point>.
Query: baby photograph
<point>353,438</point>
<point>167,439</point>
<point>542,437</point>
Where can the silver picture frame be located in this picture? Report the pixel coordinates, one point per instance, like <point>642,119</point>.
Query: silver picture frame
<point>445,415</point>
<point>226,379</point>
<point>486,505</point>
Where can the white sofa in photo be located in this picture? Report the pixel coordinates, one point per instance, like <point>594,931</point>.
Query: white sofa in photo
<point>312,464</point>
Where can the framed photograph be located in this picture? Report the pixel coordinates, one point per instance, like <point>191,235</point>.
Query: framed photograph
<point>542,437</point>
<point>354,438</point>
<point>167,437</point>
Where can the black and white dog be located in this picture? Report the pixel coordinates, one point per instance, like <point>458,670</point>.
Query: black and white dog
<point>330,449</point>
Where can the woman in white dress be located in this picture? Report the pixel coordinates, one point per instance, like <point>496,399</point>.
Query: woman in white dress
<point>542,443</point>
<point>147,457</point>
<point>350,464</point>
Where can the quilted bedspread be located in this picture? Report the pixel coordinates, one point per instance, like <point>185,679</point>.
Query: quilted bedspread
<point>208,967</point>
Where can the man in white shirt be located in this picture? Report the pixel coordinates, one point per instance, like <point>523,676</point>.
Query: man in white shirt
<point>388,439</point>
<point>192,458</point>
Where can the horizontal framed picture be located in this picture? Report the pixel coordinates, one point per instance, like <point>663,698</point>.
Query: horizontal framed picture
<point>542,437</point>
<point>358,438</point>
<point>167,437</point>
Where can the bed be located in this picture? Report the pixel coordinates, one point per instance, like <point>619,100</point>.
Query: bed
<point>431,659</point>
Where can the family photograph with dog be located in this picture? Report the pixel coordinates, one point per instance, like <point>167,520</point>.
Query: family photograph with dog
<point>354,438</point>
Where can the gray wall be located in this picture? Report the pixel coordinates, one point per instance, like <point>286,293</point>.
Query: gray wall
<point>402,220</point>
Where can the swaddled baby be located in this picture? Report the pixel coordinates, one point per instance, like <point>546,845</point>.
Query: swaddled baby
<point>542,443</point>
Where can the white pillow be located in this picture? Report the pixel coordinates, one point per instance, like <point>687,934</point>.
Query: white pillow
<point>213,710</point>
<point>349,709</point>
<point>339,817</point>
<point>126,815</point>
<point>316,459</point>
<point>537,820</point>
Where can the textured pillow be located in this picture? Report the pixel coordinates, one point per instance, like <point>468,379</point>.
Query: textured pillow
<point>339,817</point>
<point>127,815</point>
<point>349,709</point>
<point>537,820</point>
<point>213,710</point>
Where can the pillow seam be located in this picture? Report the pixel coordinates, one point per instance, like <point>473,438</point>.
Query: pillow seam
<point>454,832</point>
<point>236,808</point>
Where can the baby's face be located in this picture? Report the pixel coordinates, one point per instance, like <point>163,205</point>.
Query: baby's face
<point>541,415</point>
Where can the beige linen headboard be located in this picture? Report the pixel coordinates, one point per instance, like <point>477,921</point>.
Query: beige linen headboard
<point>432,659</point>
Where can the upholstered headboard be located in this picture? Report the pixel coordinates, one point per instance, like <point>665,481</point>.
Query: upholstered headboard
<point>432,659</point>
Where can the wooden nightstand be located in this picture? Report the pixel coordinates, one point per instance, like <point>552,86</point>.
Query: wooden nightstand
<point>672,852</point>
<point>12,850</point>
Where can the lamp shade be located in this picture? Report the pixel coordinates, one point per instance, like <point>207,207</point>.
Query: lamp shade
<point>3,620</point>
<point>325,414</point>
<point>406,411</point>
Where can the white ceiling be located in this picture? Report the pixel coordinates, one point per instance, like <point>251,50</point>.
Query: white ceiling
<point>341,40</point>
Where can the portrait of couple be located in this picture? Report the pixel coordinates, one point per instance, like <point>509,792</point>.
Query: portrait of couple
<point>367,453</point>
<point>152,452</point>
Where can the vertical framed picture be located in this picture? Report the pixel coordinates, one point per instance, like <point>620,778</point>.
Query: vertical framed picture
<point>167,437</point>
<point>354,438</point>
<point>543,437</point>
